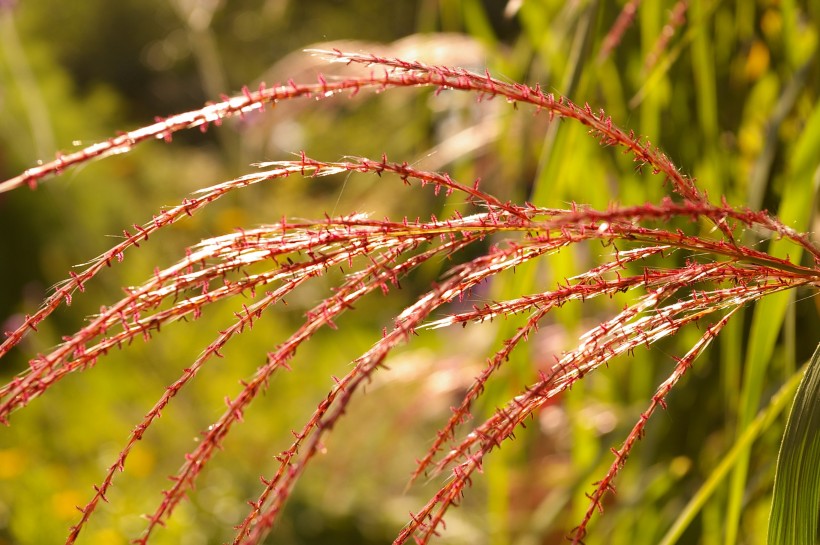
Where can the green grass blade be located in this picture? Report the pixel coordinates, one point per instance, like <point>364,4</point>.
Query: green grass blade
<point>794,515</point>
<point>770,313</point>
<point>760,424</point>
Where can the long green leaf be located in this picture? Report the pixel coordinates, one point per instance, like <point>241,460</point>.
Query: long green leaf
<point>794,515</point>
<point>765,418</point>
<point>770,312</point>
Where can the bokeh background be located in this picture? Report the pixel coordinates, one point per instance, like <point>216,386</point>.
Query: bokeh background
<point>726,88</point>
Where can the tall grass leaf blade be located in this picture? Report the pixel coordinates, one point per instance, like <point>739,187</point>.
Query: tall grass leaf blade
<point>770,313</point>
<point>765,418</point>
<point>794,514</point>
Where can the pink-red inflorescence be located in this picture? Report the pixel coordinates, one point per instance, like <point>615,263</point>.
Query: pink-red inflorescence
<point>377,254</point>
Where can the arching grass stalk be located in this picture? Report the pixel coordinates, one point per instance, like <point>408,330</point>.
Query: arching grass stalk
<point>716,277</point>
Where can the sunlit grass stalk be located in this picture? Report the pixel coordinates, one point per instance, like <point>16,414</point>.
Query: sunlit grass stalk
<point>376,254</point>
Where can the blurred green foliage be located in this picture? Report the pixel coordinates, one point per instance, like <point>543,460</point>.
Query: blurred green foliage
<point>727,99</point>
